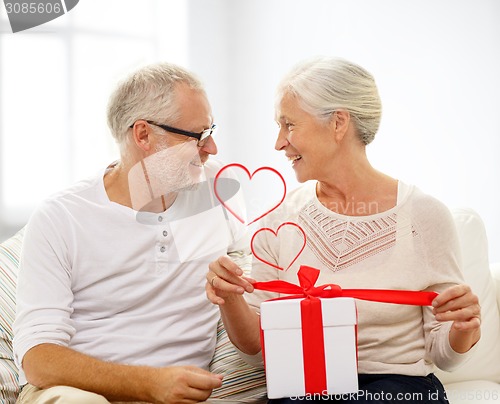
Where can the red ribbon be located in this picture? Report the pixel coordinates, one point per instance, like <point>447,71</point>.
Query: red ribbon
<point>312,319</point>
<point>308,277</point>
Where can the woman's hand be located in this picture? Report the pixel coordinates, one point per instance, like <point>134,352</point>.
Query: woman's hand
<point>225,279</point>
<point>225,287</point>
<point>460,305</point>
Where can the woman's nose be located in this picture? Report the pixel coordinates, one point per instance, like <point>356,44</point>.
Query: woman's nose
<point>282,140</point>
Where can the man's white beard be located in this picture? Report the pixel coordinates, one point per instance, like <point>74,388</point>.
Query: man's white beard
<point>169,170</point>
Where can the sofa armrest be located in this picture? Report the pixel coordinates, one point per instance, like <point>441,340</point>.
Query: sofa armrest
<point>495,272</point>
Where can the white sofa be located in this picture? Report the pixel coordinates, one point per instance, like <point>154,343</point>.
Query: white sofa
<point>477,381</point>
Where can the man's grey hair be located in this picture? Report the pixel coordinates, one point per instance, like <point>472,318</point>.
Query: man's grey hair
<point>147,94</point>
<point>323,85</point>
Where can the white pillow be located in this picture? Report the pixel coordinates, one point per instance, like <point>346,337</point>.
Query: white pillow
<point>484,364</point>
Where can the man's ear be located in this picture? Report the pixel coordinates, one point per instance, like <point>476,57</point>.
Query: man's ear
<point>141,132</point>
<point>340,123</point>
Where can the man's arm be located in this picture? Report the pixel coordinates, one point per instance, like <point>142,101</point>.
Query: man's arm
<point>48,365</point>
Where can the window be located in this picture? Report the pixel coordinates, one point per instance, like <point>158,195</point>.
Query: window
<point>55,81</point>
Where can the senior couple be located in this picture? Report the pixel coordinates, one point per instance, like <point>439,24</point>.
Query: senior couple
<point>116,270</point>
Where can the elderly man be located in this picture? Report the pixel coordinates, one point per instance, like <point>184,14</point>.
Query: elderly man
<point>111,302</point>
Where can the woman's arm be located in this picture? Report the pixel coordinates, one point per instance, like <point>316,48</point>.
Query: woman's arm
<point>225,287</point>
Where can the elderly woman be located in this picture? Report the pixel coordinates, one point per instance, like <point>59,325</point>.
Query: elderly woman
<point>364,229</point>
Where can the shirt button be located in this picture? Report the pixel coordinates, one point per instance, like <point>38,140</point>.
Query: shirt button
<point>165,233</point>
<point>162,249</point>
<point>160,218</point>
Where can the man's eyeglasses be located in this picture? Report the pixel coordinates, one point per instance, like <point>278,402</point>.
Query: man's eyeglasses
<point>201,137</point>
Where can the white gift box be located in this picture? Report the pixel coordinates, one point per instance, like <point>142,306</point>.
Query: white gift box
<point>283,351</point>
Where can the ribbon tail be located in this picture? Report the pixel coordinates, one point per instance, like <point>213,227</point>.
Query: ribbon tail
<point>414,298</point>
<point>279,287</point>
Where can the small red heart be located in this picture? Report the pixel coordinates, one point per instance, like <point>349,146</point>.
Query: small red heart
<point>250,176</point>
<point>276,235</point>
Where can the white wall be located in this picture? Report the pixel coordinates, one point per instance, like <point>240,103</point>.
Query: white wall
<point>437,65</point>
<point>55,80</point>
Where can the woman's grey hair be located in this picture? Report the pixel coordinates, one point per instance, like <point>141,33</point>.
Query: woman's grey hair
<point>324,85</point>
<point>147,94</point>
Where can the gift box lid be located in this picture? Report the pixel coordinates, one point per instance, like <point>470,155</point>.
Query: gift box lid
<point>285,314</point>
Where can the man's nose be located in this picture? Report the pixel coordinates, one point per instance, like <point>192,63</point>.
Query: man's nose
<point>209,147</point>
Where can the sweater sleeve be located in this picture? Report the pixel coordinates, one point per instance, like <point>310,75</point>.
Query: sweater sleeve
<point>265,251</point>
<point>442,258</point>
<point>276,244</point>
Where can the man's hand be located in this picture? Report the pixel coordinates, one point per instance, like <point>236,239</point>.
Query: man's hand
<point>184,384</point>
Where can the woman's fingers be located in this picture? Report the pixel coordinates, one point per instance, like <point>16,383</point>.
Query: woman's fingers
<point>225,278</point>
<point>460,305</point>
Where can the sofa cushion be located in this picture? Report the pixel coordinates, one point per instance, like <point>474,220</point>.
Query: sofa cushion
<point>9,262</point>
<point>474,245</point>
<point>242,383</point>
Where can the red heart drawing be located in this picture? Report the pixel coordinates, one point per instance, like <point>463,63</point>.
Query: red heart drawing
<point>260,214</point>
<point>276,235</point>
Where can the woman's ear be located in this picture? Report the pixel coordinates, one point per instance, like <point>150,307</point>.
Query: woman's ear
<point>141,133</point>
<point>340,123</point>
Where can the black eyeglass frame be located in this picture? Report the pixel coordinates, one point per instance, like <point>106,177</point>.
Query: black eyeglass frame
<point>199,136</point>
